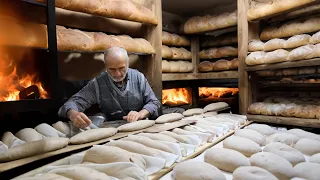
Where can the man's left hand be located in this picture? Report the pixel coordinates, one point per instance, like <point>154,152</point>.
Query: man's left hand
<point>135,116</point>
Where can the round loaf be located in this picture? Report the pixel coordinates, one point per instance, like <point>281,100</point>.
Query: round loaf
<point>221,65</point>
<point>292,155</point>
<point>196,170</point>
<point>255,45</point>
<point>252,172</point>
<point>277,165</point>
<point>251,134</point>
<point>279,55</point>
<point>234,63</point>
<point>308,146</point>
<point>205,66</point>
<point>286,138</point>
<point>315,158</point>
<point>255,58</point>
<point>215,106</point>
<point>193,111</point>
<point>297,41</point>
<point>300,53</point>
<point>315,38</point>
<point>171,117</point>
<point>262,128</point>
<point>243,145</point>
<point>225,159</point>
<point>307,170</point>
<point>274,44</point>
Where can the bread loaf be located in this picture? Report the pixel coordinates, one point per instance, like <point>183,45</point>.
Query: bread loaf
<point>276,56</point>
<point>10,140</point>
<point>234,63</point>
<point>227,51</point>
<point>166,118</point>
<point>252,172</point>
<point>174,66</point>
<point>215,106</point>
<point>165,66</point>
<point>205,66</point>
<point>149,142</point>
<point>315,158</point>
<point>316,50</point>
<point>262,128</point>
<point>307,70</point>
<point>119,9</point>
<point>290,72</point>
<point>29,135</point>
<point>251,134</point>
<point>178,137</point>
<point>255,45</point>
<point>166,52</point>
<point>315,38</point>
<point>133,147</point>
<point>274,44</point>
<point>307,170</point>
<point>255,58</point>
<point>62,127</point>
<point>301,53</point>
<point>92,135</point>
<point>174,39</point>
<point>48,131</point>
<point>193,111</point>
<point>80,173</point>
<point>222,40</point>
<point>285,138</point>
<point>308,146</point>
<point>181,53</point>
<point>243,145</point>
<point>303,134</point>
<point>297,41</point>
<point>221,65</point>
<point>159,137</point>
<point>135,126</point>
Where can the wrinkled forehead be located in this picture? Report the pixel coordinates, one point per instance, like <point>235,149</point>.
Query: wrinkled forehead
<point>116,59</point>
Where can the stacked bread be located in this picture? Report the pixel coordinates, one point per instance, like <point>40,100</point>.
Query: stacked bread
<point>290,71</point>
<point>76,40</point>
<point>262,8</point>
<point>119,9</point>
<point>172,39</point>
<point>219,65</point>
<point>291,80</point>
<point>175,53</point>
<point>223,40</point>
<point>214,53</point>
<point>288,107</point>
<point>200,24</point>
<point>176,66</point>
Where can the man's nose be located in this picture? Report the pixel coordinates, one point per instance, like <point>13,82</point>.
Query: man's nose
<point>117,73</point>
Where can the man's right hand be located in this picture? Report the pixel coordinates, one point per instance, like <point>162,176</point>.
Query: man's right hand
<point>79,119</point>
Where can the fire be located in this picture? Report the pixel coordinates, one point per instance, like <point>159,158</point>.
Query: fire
<point>217,92</point>
<point>177,96</point>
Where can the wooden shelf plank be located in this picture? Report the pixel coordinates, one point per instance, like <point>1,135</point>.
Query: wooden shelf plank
<point>35,3</point>
<point>283,65</point>
<point>315,123</point>
<point>195,76</point>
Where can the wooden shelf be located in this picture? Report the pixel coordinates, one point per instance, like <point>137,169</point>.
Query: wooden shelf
<point>217,32</point>
<point>315,123</point>
<point>195,76</point>
<point>44,4</point>
<point>283,65</point>
<point>100,52</point>
<point>279,84</point>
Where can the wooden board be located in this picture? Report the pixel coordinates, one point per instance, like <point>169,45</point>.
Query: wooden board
<point>283,65</point>
<point>315,123</point>
<point>196,76</point>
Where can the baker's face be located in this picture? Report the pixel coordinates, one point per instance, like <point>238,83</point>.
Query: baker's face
<point>117,68</point>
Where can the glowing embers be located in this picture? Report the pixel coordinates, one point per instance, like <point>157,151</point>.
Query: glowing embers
<point>176,96</point>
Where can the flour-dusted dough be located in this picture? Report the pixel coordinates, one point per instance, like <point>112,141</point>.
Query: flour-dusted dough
<point>48,131</point>
<point>93,135</point>
<point>286,138</point>
<point>193,111</point>
<point>149,142</point>
<point>243,145</point>
<point>252,173</point>
<point>210,114</point>
<point>273,163</point>
<point>315,158</point>
<point>255,58</point>
<point>301,53</point>
<point>110,154</point>
<point>46,176</point>
<point>178,137</point>
<point>262,128</point>
<point>80,173</point>
<point>159,137</point>
<point>297,41</point>
<point>215,106</point>
<point>289,153</point>
<point>255,45</point>
<point>135,126</point>
<point>10,140</point>
<point>62,127</point>
<point>307,170</point>
<point>29,135</point>
<point>171,117</point>
<point>274,44</point>
<point>315,38</point>
<point>279,55</point>
<point>308,146</point>
<point>225,159</point>
<point>196,170</point>
<point>251,134</point>
<point>304,134</point>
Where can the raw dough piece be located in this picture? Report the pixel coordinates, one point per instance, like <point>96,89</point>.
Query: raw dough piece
<point>93,135</point>
<point>255,45</point>
<point>297,41</point>
<point>243,145</point>
<point>10,140</point>
<point>273,163</point>
<point>307,170</point>
<point>46,176</point>
<point>29,135</point>
<point>205,66</point>
<point>308,146</point>
<point>110,154</point>
<point>251,134</point>
<point>279,55</point>
<point>255,58</point>
<point>304,134</point>
<point>252,173</point>
<point>225,159</point>
<point>215,106</point>
<point>286,138</point>
<point>34,148</point>
<point>193,111</point>
<point>315,38</point>
<point>178,137</point>
<point>210,114</point>
<point>135,126</point>
<point>289,153</point>
<point>62,127</point>
<point>262,128</point>
<point>159,137</point>
<point>149,142</point>
<point>171,117</point>
<point>274,44</point>
<point>133,147</point>
<point>301,53</point>
<point>48,131</point>
<point>80,173</point>
<point>196,170</point>
<point>315,158</point>
<point>166,52</point>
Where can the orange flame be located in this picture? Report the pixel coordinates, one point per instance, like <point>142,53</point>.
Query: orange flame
<point>217,92</point>
<point>177,96</point>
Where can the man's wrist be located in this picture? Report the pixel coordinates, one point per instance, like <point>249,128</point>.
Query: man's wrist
<point>70,112</point>
<point>145,113</point>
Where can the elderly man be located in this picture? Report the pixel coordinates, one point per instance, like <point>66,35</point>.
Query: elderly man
<point>121,92</point>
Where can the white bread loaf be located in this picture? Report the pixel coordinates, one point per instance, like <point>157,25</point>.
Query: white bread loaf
<point>301,53</point>
<point>297,41</point>
<point>255,45</point>
<point>252,172</point>
<point>166,52</point>
<point>274,44</point>
<point>172,39</point>
<point>166,68</point>
<point>276,56</point>
<point>205,66</point>
<point>119,9</point>
<point>315,38</point>
<point>221,65</point>
<point>255,58</point>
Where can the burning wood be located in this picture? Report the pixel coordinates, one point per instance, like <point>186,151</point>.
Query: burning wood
<point>176,97</point>
<point>31,92</point>
<point>205,92</point>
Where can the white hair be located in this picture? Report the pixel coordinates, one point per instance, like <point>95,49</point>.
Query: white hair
<point>116,49</point>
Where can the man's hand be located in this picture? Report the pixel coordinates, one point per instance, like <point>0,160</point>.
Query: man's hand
<point>79,119</point>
